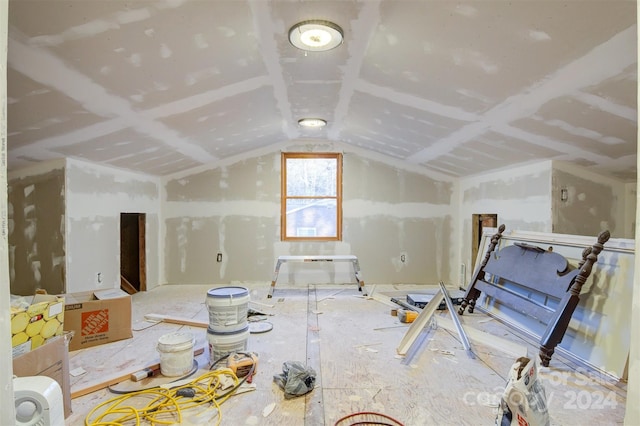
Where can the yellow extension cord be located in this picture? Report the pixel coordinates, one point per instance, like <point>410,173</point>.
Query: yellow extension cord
<point>164,406</point>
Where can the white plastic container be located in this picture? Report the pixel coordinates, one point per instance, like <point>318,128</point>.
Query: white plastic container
<point>176,354</point>
<point>224,343</point>
<point>228,307</point>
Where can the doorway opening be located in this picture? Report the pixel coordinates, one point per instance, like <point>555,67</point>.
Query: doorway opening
<point>133,262</point>
<point>479,222</point>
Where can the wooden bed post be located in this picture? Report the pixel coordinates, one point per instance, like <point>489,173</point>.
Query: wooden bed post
<point>472,293</point>
<point>556,328</point>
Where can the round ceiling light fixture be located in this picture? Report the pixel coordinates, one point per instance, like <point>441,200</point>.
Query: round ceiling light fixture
<point>312,122</point>
<point>315,35</point>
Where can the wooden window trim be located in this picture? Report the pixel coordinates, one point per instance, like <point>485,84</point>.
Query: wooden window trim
<point>284,198</point>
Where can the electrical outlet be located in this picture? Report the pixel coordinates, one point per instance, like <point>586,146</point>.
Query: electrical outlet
<point>403,258</point>
<point>219,258</point>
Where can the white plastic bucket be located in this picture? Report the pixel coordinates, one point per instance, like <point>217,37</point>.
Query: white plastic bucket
<point>224,343</point>
<point>228,308</point>
<point>176,354</point>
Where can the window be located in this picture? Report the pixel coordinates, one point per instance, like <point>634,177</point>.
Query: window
<point>311,196</point>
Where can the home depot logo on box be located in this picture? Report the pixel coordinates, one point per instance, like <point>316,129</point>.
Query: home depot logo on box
<point>95,322</point>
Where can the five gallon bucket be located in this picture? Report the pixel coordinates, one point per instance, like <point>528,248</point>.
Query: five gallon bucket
<point>228,308</point>
<point>176,354</point>
<point>224,343</point>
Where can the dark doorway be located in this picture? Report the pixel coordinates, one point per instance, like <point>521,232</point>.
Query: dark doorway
<point>133,276</point>
<point>479,222</point>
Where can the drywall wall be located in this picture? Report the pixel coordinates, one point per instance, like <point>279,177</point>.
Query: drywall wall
<point>36,211</point>
<point>593,202</point>
<point>7,405</point>
<point>64,218</point>
<point>232,210</point>
<point>389,214</point>
<point>632,411</point>
<point>630,205</point>
<point>520,197</point>
<point>96,196</point>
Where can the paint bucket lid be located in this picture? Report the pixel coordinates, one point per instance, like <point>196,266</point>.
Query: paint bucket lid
<point>227,333</point>
<point>175,342</point>
<point>228,292</point>
<point>260,327</point>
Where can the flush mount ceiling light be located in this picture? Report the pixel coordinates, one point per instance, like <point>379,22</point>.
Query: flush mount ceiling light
<point>315,35</point>
<point>312,122</point>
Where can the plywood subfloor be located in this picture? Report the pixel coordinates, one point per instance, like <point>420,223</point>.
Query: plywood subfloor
<point>351,342</point>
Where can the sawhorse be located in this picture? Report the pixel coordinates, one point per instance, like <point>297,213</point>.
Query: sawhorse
<point>320,258</point>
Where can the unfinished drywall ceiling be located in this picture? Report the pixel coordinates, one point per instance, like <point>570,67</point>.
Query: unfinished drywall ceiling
<point>458,88</point>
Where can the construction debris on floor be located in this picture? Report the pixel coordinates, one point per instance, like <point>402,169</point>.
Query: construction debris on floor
<point>353,360</point>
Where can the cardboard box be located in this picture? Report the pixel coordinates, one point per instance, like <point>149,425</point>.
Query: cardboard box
<point>32,326</point>
<point>51,360</point>
<point>97,317</point>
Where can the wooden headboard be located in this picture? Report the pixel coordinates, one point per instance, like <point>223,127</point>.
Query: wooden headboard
<point>513,276</point>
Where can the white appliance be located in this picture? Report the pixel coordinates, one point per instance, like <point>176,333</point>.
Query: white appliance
<point>38,401</point>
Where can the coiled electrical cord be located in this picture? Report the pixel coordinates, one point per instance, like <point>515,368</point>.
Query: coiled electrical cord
<point>163,406</point>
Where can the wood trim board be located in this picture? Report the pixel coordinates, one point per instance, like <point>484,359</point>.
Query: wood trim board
<point>176,320</point>
<point>120,377</point>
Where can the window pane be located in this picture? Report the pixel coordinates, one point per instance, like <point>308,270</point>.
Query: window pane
<point>311,177</point>
<point>311,218</point>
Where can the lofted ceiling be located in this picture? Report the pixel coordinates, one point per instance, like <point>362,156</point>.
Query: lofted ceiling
<point>457,87</point>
